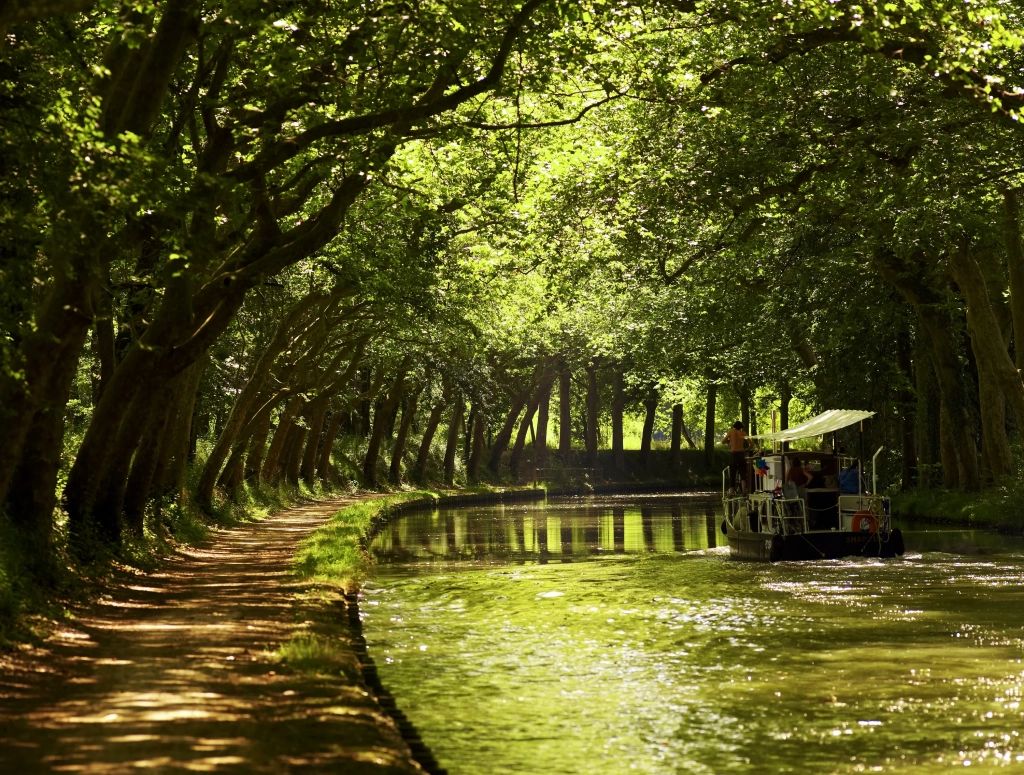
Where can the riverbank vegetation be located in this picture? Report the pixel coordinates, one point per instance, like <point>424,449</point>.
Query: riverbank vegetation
<point>250,248</point>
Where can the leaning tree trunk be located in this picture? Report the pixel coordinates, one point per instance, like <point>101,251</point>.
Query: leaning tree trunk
<point>246,456</point>
<point>956,425</point>
<point>47,353</point>
<point>516,456</point>
<point>317,442</point>
<point>565,416</point>
<point>988,346</point>
<point>709,425</point>
<point>381,420</point>
<point>242,412</point>
<point>166,348</point>
<point>651,412</point>
<point>477,452</point>
<point>906,408</point>
<point>395,471</point>
<point>957,430</point>
<point>318,416</point>
<point>677,435</point>
<point>143,469</point>
<point>254,453</point>
<point>543,388</point>
<point>174,478</point>
<point>1015,264</point>
<point>540,451</point>
<point>157,489</point>
<point>107,514</point>
<point>593,408</point>
<point>283,466</point>
<point>618,435</point>
<point>504,435</point>
<point>32,494</point>
<point>233,475</point>
<point>103,339</point>
<point>995,446</point>
<point>277,444</point>
<point>293,462</point>
<point>423,457</point>
<point>452,448</point>
<point>323,466</point>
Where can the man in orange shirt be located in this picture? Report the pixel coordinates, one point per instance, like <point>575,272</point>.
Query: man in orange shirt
<point>736,438</point>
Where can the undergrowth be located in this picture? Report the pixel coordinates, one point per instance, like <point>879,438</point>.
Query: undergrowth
<point>998,507</point>
<point>33,601</point>
<point>333,554</point>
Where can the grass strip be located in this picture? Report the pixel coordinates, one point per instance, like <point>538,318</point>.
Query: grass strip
<point>997,507</point>
<point>334,554</point>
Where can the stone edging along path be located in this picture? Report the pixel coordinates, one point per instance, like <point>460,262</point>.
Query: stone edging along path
<point>178,670</point>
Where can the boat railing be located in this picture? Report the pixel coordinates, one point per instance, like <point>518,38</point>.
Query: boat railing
<point>783,515</point>
<point>875,505</point>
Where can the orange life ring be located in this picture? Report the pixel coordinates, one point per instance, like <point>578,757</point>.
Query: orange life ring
<point>857,523</point>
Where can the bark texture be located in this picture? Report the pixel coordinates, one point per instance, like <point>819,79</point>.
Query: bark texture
<point>452,448</point>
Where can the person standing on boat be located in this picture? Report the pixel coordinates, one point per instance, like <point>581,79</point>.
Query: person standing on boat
<point>736,438</point>
<point>798,475</point>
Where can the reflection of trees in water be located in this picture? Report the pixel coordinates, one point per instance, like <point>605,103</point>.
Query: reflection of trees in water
<point>526,535</point>
<point>712,524</point>
<point>647,523</point>
<point>677,528</point>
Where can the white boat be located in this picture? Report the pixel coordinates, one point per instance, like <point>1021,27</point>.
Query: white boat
<point>770,519</point>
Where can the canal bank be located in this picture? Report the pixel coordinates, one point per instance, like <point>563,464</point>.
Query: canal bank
<point>333,563</point>
<point>335,560</point>
<point>997,508</point>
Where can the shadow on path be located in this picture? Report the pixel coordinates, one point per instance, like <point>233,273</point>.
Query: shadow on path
<point>176,673</point>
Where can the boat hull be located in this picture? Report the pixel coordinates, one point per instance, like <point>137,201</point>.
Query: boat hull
<point>814,545</point>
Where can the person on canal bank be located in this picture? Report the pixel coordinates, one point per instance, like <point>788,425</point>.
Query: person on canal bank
<point>736,438</point>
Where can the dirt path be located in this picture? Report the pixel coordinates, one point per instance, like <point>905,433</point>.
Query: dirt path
<point>176,673</point>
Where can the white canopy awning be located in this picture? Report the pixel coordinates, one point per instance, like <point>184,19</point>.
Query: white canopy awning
<point>826,422</point>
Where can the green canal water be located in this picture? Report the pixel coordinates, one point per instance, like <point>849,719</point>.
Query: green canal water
<point>612,635</point>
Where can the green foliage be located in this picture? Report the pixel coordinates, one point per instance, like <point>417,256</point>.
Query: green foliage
<point>997,507</point>
<point>334,554</point>
<point>475,195</point>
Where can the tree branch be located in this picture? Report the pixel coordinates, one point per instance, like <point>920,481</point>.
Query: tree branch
<point>418,111</point>
<point>542,124</point>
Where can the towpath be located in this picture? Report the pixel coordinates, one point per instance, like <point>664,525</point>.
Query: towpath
<point>176,672</point>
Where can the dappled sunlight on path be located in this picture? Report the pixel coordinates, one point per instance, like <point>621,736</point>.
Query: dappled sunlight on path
<point>177,672</point>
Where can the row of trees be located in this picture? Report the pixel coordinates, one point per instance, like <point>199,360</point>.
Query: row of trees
<point>236,236</point>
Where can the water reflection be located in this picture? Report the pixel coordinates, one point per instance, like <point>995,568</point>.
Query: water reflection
<point>596,638</point>
<point>566,530</point>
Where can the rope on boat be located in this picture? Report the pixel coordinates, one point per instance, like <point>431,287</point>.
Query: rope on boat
<point>815,548</point>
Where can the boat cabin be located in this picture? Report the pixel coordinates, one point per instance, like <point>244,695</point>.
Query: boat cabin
<point>800,491</point>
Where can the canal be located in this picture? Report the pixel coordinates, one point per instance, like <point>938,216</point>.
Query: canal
<point>614,634</point>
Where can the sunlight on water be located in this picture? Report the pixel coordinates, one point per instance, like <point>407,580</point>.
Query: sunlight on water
<point>659,654</point>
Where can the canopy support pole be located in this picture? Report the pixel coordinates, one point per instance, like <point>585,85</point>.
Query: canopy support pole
<point>860,462</point>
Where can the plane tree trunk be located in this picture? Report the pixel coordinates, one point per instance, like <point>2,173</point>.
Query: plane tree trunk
<point>452,448</point>
<point>650,414</point>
